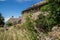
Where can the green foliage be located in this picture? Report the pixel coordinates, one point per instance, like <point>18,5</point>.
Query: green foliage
<point>53,18</point>
<point>1,20</point>
<point>9,24</point>
<point>45,8</point>
<point>54,9</point>
<point>29,25</point>
<point>45,22</point>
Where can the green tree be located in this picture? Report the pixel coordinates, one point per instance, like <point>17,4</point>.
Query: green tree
<point>1,20</point>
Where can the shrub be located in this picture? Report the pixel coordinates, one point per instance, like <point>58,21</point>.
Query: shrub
<point>9,24</point>
<point>45,23</point>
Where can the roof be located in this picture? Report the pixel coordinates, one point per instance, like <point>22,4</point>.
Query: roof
<point>40,4</point>
<point>13,20</point>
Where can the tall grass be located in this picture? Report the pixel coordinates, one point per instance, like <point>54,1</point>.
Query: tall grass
<point>21,34</point>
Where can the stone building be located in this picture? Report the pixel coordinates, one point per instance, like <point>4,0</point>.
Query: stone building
<point>34,9</point>
<point>15,20</point>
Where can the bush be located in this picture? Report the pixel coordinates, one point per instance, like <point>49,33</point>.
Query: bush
<point>9,24</point>
<point>53,18</point>
<point>45,23</point>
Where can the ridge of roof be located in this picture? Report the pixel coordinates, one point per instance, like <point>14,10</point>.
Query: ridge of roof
<point>35,5</point>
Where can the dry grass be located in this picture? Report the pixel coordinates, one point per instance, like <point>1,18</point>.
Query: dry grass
<point>15,34</point>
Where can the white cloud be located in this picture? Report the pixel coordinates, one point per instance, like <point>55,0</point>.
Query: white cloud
<point>6,19</point>
<point>2,0</point>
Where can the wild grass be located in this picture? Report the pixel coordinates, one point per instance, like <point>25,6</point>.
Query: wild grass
<point>15,34</point>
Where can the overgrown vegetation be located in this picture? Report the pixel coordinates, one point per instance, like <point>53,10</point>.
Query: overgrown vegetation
<point>29,25</point>
<point>47,22</point>
<point>27,31</point>
<point>15,34</point>
<point>9,24</point>
<point>1,20</point>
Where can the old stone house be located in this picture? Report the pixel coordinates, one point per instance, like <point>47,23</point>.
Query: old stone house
<point>14,20</point>
<point>34,9</point>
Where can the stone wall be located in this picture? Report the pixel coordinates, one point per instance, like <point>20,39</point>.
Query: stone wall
<point>34,15</point>
<point>35,10</point>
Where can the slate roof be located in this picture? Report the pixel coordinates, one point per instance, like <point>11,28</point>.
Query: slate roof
<point>40,4</point>
<point>12,20</point>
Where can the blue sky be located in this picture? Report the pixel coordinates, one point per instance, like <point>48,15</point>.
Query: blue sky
<point>14,8</point>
